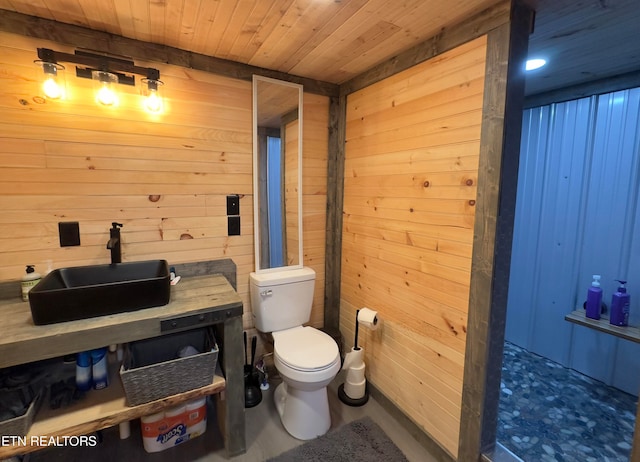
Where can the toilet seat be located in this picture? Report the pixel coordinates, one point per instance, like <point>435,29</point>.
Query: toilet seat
<point>305,349</point>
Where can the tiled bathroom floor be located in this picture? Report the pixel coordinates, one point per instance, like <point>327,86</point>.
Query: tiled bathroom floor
<point>550,413</point>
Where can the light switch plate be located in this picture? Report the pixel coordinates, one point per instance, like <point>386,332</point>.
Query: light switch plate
<point>233,204</point>
<point>233,226</point>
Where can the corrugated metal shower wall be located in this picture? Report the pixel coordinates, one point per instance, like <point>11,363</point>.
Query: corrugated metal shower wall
<point>577,214</point>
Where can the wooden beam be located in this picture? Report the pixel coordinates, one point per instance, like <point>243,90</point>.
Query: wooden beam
<point>493,230</point>
<point>447,39</point>
<point>82,37</point>
<point>335,196</point>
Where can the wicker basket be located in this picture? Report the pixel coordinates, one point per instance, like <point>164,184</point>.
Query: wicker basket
<point>152,370</point>
<point>19,426</point>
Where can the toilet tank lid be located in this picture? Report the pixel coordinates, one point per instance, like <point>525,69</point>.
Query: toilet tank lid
<point>283,276</point>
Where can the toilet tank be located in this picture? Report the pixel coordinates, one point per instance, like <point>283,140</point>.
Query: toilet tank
<point>281,299</point>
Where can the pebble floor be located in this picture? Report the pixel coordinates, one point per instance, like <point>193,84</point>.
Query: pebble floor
<point>550,413</point>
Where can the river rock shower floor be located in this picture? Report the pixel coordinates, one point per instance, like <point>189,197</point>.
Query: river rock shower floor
<point>550,413</point>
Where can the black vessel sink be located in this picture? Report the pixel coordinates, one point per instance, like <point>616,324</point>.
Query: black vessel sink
<point>82,292</point>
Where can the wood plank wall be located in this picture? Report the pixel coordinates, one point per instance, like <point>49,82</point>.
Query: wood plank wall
<point>411,167</point>
<point>315,146</point>
<point>291,186</point>
<point>165,178</point>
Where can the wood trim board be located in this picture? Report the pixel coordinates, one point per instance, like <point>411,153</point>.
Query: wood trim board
<point>493,230</point>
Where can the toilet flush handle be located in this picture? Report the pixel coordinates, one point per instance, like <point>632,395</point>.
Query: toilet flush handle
<point>266,293</point>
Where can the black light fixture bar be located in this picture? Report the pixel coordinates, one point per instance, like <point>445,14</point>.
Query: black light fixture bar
<point>117,66</point>
<point>85,73</point>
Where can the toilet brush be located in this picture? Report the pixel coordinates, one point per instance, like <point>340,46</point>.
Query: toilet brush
<point>354,391</point>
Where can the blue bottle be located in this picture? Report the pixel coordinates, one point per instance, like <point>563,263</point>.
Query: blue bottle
<point>594,298</point>
<point>100,370</point>
<point>83,371</point>
<point>620,306</point>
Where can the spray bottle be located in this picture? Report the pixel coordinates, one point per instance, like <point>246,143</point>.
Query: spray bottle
<point>620,302</point>
<point>594,298</point>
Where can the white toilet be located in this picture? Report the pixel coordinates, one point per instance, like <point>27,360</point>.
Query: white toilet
<point>306,358</point>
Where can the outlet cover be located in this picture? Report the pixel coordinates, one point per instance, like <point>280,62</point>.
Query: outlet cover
<point>69,232</point>
<point>233,226</point>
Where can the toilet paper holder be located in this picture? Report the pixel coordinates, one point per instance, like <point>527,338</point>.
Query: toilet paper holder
<point>355,391</point>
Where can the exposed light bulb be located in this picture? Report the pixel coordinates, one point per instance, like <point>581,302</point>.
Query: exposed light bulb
<point>106,96</point>
<point>51,88</point>
<point>104,87</point>
<point>153,102</point>
<point>53,85</point>
<point>152,97</point>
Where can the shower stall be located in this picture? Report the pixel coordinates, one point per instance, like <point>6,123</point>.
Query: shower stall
<point>577,214</point>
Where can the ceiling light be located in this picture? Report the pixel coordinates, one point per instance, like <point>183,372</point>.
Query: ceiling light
<point>536,63</point>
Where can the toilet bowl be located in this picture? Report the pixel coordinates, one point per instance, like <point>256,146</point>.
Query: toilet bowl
<point>307,360</point>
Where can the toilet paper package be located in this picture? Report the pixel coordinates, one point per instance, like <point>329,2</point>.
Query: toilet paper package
<point>174,425</point>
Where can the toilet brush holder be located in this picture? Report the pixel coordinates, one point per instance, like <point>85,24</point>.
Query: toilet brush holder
<point>252,392</point>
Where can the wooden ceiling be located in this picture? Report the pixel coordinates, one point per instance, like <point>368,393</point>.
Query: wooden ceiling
<point>328,40</point>
<point>336,40</point>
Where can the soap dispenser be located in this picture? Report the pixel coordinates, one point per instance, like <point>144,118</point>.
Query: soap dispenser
<point>620,302</point>
<point>29,280</point>
<point>594,298</point>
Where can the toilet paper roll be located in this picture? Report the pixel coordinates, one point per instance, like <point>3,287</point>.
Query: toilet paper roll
<point>125,430</point>
<point>355,374</point>
<point>355,390</point>
<point>353,358</point>
<point>368,318</point>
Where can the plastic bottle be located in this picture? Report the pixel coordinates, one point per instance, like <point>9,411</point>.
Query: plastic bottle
<point>594,298</point>
<point>620,302</point>
<point>83,371</point>
<point>100,370</point>
<point>29,280</point>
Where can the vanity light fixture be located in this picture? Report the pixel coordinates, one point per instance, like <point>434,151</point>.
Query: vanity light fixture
<point>107,73</point>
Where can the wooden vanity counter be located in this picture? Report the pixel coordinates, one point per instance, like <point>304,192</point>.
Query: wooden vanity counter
<point>23,342</point>
<point>196,301</point>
